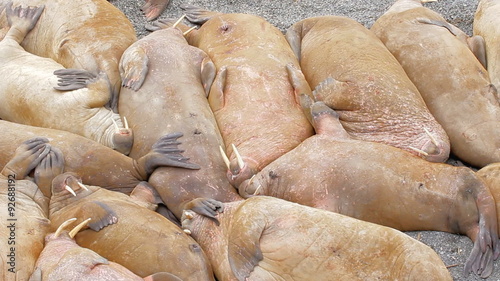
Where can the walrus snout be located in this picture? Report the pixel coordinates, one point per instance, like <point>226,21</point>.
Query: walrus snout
<point>68,182</point>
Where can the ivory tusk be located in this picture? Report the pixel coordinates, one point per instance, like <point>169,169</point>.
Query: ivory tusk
<point>418,150</point>
<point>187,231</point>
<point>433,140</point>
<point>82,186</point>
<point>189,30</point>
<point>125,122</point>
<point>77,228</point>
<point>241,163</point>
<point>62,226</point>
<point>68,188</point>
<point>224,156</point>
<point>178,21</point>
<point>116,125</point>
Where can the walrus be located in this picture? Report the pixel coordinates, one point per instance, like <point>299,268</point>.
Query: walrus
<point>25,214</point>
<point>255,93</point>
<point>382,184</point>
<point>353,72</point>
<point>126,230</point>
<point>152,9</point>
<point>63,259</point>
<point>31,94</point>
<point>95,163</point>
<point>161,73</point>
<point>486,25</point>
<point>266,238</point>
<point>81,34</point>
<point>443,63</point>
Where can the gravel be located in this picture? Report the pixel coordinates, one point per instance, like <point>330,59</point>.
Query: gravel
<point>453,249</point>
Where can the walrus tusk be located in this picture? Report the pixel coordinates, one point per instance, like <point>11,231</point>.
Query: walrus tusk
<point>418,150</point>
<point>224,156</point>
<point>68,188</point>
<point>187,231</point>
<point>82,186</point>
<point>62,226</point>
<point>434,141</point>
<point>178,21</point>
<point>257,190</point>
<point>77,228</point>
<point>189,30</point>
<point>241,163</point>
<point>116,125</point>
<point>189,215</point>
<point>125,122</point>
<point>427,1</point>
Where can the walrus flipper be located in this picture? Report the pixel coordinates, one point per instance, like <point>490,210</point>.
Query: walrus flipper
<point>478,47</point>
<point>21,20</point>
<point>244,246</point>
<point>216,96</point>
<point>298,82</point>
<point>49,167</point>
<point>196,14</point>
<point>26,157</point>
<point>163,276</point>
<point>206,207</point>
<point>153,8</point>
<point>134,67</point>
<point>294,37</point>
<point>331,91</point>
<point>481,264</point>
<point>73,79</point>
<point>101,214</point>
<point>208,71</point>
<point>326,121</point>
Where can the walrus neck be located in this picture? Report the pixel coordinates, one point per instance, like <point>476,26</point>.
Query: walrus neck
<point>100,127</point>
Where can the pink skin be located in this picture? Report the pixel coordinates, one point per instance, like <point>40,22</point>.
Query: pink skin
<point>153,8</point>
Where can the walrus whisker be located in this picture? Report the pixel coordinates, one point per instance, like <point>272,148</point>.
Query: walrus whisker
<point>241,163</point>
<point>418,150</point>
<point>82,186</point>
<point>224,157</point>
<point>70,190</point>
<point>434,141</point>
<point>116,125</point>
<point>125,122</point>
<point>62,226</point>
<point>178,21</point>
<point>77,228</point>
<point>189,30</point>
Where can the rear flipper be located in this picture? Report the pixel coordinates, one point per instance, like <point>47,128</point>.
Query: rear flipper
<point>164,153</point>
<point>134,67</point>
<point>198,15</point>
<point>153,8</point>
<point>27,156</point>
<point>21,20</point>
<point>51,166</point>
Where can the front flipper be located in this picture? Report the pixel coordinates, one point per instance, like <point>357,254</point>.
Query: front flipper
<point>146,195</point>
<point>50,166</point>
<point>153,8</point>
<point>102,215</point>
<point>165,152</point>
<point>244,251</point>
<point>478,47</point>
<point>208,72</point>
<point>73,79</point>
<point>98,86</point>
<point>134,67</point>
<point>196,14</point>
<point>335,94</point>
<point>294,37</point>
<point>298,82</point>
<point>26,157</point>
<point>326,121</point>
<point>206,207</point>
<point>216,97</point>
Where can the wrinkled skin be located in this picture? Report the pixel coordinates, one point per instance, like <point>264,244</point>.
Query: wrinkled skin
<point>98,35</point>
<point>28,93</point>
<point>443,64</point>
<point>25,229</point>
<point>125,232</point>
<point>95,163</point>
<point>353,72</point>
<point>164,75</point>
<point>486,23</point>
<point>384,185</point>
<point>153,8</point>
<point>255,94</point>
<point>266,238</point>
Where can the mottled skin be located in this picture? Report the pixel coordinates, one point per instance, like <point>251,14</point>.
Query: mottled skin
<point>165,75</point>
<point>486,23</point>
<point>354,73</point>
<point>266,238</point>
<point>82,34</point>
<point>25,213</point>
<point>255,93</point>
<point>382,184</point>
<point>28,93</point>
<point>125,232</point>
<point>153,8</point>
<point>438,59</point>
<point>95,163</point>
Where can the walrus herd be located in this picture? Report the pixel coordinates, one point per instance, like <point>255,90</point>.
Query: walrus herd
<point>220,148</point>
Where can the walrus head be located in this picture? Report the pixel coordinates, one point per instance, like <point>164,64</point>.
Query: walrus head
<point>68,185</point>
<point>240,168</point>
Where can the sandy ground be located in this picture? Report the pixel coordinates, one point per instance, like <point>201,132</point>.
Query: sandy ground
<point>454,249</point>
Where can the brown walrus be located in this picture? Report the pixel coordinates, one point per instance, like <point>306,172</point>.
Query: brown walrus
<point>25,216</point>
<point>161,73</point>
<point>266,238</point>
<point>63,259</point>
<point>486,23</point>
<point>382,184</point>
<point>153,8</point>
<point>95,163</point>
<point>255,94</point>
<point>30,94</point>
<point>354,73</point>
<point>440,60</point>
<point>125,230</point>
<point>81,34</point>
